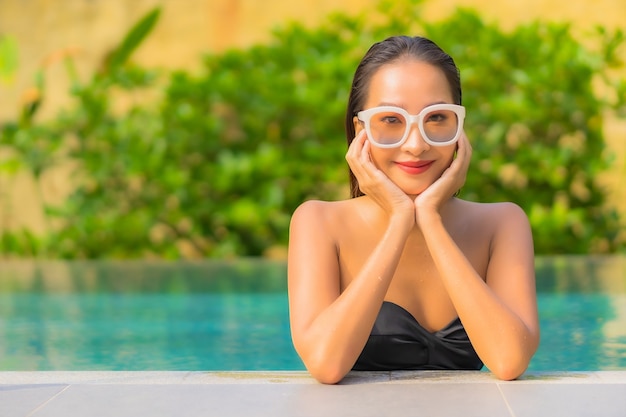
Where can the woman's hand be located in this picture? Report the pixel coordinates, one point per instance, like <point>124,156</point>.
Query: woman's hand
<point>451,180</point>
<point>374,183</point>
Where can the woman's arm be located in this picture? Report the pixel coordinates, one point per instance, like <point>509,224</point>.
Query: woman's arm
<point>329,327</point>
<point>500,312</point>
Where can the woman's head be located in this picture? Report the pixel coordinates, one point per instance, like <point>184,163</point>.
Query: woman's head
<point>390,51</point>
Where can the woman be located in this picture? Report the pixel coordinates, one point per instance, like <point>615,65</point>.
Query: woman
<point>405,275</point>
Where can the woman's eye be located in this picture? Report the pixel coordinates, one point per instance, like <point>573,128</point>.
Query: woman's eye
<point>391,120</point>
<point>436,117</point>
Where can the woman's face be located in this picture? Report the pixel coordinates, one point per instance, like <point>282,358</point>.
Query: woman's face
<point>411,85</point>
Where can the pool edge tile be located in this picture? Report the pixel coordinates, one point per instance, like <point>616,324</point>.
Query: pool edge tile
<point>298,377</point>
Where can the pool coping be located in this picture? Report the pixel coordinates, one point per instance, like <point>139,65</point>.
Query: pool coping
<point>300,377</point>
<point>295,393</point>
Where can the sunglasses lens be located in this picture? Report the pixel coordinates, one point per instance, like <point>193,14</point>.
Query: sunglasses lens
<point>387,127</point>
<point>441,125</point>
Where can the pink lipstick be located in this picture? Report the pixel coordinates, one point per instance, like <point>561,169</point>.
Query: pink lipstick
<point>414,167</point>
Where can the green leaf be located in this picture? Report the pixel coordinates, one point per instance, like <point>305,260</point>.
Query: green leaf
<point>120,55</point>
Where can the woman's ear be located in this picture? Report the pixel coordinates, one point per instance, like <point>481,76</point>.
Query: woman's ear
<point>358,126</point>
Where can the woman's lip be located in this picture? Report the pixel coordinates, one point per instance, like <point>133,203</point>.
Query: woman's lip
<point>414,167</point>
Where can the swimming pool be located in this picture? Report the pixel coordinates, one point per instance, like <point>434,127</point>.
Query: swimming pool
<point>218,315</point>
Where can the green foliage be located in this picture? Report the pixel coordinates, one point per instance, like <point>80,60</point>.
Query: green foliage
<point>535,121</point>
<point>217,164</point>
<point>119,56</point>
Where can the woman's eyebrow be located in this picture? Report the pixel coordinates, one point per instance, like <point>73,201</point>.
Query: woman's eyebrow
<point>385,103</point>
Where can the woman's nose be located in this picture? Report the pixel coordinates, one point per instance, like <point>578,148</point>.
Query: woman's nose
<point>414,143</point>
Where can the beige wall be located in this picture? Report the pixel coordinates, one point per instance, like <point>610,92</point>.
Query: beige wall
<point>44,28</point>
<point>89,28</point>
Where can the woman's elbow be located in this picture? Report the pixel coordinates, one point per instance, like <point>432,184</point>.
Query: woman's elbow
<point>511,363</point>
<point>508,373</point>
<point>324,368</point>
<point>508,369</point>
<point>327,376</point>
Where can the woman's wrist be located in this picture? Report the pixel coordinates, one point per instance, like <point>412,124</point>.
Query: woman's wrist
<point>427,216</point>
<point>401,223</point>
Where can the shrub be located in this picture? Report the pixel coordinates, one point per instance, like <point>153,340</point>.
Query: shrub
<point>218,165</point>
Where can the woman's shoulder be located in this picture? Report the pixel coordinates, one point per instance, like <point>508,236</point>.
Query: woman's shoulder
<point>505,208</point>
<point>322,220</point>
<point>496,225</point>
<point>312,210</point>
<point>324,207</point>
<point>495,214</point>
<point>317,207</point>
<point>333,217</point>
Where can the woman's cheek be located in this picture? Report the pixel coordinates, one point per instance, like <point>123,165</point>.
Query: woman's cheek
<point>377,159</point>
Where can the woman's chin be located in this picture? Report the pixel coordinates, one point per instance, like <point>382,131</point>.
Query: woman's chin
<point>413,192</point>
<point>412,187</point>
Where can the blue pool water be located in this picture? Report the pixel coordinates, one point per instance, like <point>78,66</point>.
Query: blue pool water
<point>234,316</point>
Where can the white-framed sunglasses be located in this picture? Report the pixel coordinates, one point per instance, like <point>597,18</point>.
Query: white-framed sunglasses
<point>389,126</point>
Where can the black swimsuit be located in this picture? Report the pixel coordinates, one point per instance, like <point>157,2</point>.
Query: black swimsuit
<point>398,341</point>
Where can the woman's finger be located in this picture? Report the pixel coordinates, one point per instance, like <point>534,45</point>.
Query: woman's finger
<point>356,146</point>
<point>359,157</point>
<point>465,151</point>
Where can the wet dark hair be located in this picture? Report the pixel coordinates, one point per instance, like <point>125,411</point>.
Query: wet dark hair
<point>391,50</point>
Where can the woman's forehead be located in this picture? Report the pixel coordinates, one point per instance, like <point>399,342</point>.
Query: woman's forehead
<point>408,83</point>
